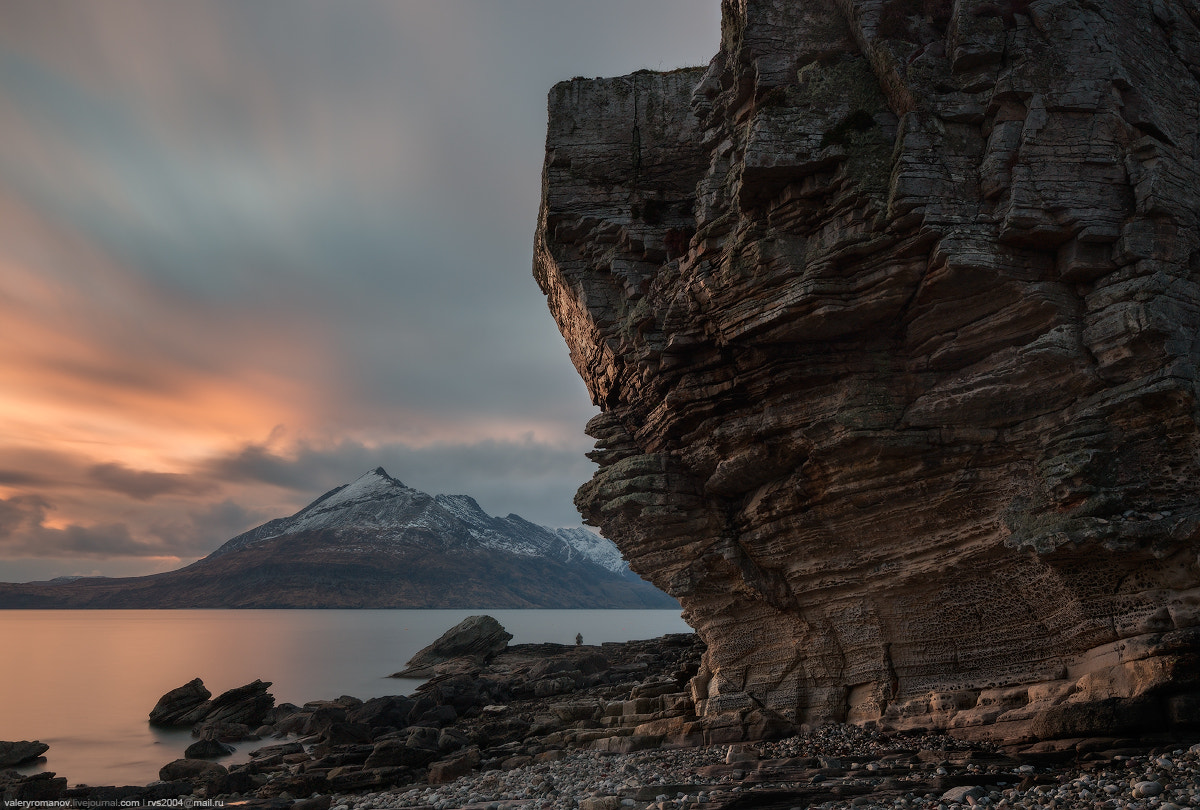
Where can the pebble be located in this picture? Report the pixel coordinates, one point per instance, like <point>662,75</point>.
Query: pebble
<point>564,784</point>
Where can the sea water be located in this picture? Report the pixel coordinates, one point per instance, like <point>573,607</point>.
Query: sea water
<point>84,681</point>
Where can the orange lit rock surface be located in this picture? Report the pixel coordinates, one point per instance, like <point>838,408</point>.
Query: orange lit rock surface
<point>892,312</point>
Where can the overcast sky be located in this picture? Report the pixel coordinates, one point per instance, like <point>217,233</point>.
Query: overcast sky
<point>249,250</point>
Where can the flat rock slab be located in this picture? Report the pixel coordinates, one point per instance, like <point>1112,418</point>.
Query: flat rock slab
<point>15,753</point>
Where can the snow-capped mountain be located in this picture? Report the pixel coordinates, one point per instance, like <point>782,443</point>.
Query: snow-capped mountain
<point>380,511</point>
<point>376,543</point>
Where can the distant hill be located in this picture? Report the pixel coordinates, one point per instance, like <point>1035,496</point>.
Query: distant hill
<point>376,543</point>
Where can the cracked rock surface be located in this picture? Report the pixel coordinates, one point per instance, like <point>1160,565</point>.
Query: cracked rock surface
<point>892,315</point>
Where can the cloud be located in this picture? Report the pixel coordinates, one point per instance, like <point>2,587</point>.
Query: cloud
<point>21,512</point>
<point>199,531</point>
<point>21,477</point>
<point>24,533</point>
<point>219,218</point>
<point>259,464</point>
<point>28,530</point>
<point>142,485</point>
<point>534,478</point>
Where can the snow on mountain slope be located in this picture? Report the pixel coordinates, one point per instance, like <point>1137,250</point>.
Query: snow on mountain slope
<point>593,547</point>
<point>379,511</point>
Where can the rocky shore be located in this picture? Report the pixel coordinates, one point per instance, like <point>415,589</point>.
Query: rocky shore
<point>602,727</point>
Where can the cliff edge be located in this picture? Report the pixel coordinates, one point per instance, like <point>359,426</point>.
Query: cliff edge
<point>892,312</point>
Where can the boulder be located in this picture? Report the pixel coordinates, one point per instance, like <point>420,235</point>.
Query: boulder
<point>34,787</point>
<point>15,753</point>
<point>247,705</point>
<point>179,706</point>
<point>194,769</point>
<point>461,692</point>
<point>447,770</point>
<point>472,641</point>
<point>389,753</point>
<point>207,749</point>
<point>377,712</point>
<point>346,734</point>
<point>225,732</point>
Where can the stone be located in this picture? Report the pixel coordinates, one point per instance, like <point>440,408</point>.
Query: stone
<point>447,770</point>
<point>392,710</point>
<point>1147,789</point>
<point>740,753</point>
<point>207,749</point>
<point>247,705</point>
<point>894,325</point>
<point>178,707</point>
<point>219,730</point>
<point>195,769</point>
<point>600,803</point>
<point>16,753</point>
<point>474,640</point>
<point>314,803</point>
<point>15,787</point>
<point>388,753</point>
<point>964,794</point>
<point>230,716</point>
<point>346,734</point>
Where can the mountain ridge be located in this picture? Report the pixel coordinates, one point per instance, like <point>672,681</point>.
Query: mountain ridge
<point>376,543</point>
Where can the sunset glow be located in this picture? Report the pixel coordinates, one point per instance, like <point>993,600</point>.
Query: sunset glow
<point>249,251</point>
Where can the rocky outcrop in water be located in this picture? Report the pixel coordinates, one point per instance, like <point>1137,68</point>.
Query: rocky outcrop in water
<point>232,714</point>
<point>19,752</point>
<point>892,312</point>
<point>471,642</point>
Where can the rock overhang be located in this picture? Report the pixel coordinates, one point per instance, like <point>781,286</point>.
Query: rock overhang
<point>893,321</point>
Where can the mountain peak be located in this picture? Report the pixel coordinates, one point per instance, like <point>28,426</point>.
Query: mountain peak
<point>381,512</point>
<point>371,485</point>
<point>378,543</point>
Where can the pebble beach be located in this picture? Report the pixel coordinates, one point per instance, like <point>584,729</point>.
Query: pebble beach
<point>831,767</point>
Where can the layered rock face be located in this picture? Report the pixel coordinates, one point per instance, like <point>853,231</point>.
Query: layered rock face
<point>892,312</point>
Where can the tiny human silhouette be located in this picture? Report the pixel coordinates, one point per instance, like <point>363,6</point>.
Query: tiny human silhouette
<point>579,639</point>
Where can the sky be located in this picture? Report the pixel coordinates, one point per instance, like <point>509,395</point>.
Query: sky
<point>251,249</point>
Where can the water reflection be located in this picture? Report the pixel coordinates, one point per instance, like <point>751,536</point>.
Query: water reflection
<point>85,681</point>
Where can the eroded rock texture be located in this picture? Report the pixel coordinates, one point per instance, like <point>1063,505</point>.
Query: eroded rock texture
<point>892,313</point>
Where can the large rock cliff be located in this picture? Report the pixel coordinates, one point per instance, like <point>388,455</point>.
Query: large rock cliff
<point>892,313</point>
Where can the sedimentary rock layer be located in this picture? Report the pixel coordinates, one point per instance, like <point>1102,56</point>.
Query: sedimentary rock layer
<point>892,314</point>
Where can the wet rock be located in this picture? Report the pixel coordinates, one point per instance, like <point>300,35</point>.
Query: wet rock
<point>247,705</point>
<point>230,716</point>
<point>219,730</point>
<point>473,640</point>
<point>382,711</point>
<point>182,706</point>
<point>16,753</point>
<point>346,734</point>
<point>192,769</point>
<point>35,787</point>
<point>207,749</point>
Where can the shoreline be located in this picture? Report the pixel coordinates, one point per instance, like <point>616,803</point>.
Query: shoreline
<point>605,727</point>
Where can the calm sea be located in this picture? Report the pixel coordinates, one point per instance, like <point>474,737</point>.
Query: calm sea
<point>84,681</point>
